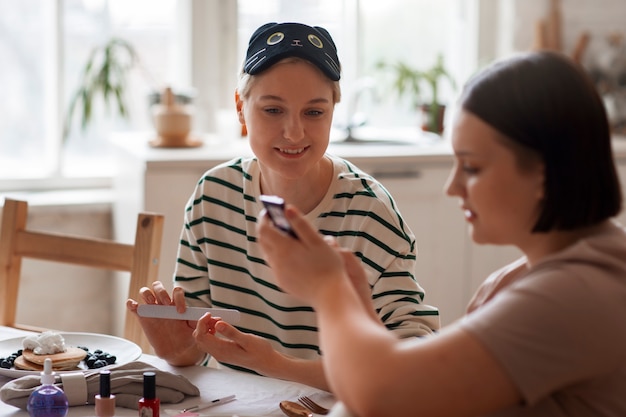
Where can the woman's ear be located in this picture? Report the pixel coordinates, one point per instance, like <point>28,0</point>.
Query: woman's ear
<point>239,105</point>
<point>238,102</point>
<point>242,120</point>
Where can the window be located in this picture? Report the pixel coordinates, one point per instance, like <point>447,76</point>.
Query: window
<point>151,31</point>
<point>415,32</point>
<point>26,81</point>
<point>367,31</point>
<point>45,44</point>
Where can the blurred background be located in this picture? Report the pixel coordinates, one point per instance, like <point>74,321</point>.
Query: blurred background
<point>197,47</point>
<point>66,170</point>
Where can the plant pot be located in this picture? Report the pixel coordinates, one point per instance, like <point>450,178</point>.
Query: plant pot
<point>432,122</point>
<point>181,96</point>
<point>173,123</point>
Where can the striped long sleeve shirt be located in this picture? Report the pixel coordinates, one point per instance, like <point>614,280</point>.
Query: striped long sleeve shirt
<point>220,263</point>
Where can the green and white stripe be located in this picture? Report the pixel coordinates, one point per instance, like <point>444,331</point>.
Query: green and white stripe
<point>220,263</point>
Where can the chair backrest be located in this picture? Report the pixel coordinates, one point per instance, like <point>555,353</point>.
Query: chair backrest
<point>141,259</point>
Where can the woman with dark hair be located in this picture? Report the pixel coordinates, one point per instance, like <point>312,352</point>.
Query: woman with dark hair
<point>543,336</point>
<point>553,110</point>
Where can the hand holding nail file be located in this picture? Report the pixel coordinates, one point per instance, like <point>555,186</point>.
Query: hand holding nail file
<point>191,313</point>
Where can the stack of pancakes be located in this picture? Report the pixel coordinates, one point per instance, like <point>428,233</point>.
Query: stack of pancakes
<point>63,361</point>
<point>48,345</point>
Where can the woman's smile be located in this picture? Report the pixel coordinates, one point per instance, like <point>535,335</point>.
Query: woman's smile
<point>292,152</point>
<point>470,216</point>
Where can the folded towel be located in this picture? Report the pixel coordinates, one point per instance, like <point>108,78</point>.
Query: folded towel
<point>82,387</point>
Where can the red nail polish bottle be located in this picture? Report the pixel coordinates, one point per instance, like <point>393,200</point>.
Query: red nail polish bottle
<point>149,404</point>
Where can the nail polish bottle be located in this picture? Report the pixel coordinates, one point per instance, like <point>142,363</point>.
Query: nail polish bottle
<point>105,402</point>
<point>47,400</point>
<point>149,404</point>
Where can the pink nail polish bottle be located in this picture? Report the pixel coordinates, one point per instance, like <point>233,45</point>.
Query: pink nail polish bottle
<point>149,404</point>
<point>105,402</point>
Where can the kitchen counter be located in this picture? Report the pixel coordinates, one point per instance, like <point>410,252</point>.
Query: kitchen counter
<point>215,149</point>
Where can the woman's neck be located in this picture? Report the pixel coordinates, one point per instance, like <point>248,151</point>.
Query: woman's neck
<point>541,245</point>
<point>305,192</point>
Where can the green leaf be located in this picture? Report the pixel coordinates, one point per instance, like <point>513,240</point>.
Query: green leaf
<point>104,75</point>
<point>409,81</point>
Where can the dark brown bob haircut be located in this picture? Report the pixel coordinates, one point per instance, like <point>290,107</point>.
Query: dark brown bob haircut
<point>546,103</point>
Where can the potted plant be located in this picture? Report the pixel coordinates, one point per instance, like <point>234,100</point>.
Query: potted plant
<point>105,75</point>
<point>409,81</point>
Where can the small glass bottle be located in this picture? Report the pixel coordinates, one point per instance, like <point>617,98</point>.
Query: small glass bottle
<point>105,401</point>
<point>47,400</point>
<point>149,404</point>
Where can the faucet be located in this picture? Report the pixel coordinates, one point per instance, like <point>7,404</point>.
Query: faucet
<point>355,117</point>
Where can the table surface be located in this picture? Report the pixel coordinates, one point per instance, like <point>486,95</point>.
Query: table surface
<point>255,395</point>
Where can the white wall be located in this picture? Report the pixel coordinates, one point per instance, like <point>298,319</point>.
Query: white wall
<point>509,25</point>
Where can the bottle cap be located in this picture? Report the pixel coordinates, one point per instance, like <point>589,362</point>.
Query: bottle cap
<point>47,376</point>
<point>105,384</point>
<point>149,385</point>
<point>105,402</point>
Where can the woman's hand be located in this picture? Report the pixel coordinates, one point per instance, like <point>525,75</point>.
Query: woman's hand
<point>172,340</point>
<point>227,344</point>
<point>358,279</point>
<point>303,265</point>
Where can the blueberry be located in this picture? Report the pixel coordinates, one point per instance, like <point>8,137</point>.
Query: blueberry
<point>100,363</point>
<point>98,358</point>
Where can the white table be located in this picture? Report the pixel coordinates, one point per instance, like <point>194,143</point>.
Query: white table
<point>256,395</point>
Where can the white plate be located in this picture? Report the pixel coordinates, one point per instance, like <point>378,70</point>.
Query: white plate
<point>124,350</point>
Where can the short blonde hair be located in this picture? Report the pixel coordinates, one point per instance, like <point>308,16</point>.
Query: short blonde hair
<point>246,81</point>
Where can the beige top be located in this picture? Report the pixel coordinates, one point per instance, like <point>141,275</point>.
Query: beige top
<point>559,328</point>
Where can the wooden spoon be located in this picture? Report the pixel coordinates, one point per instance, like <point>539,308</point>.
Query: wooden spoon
<point>293,409</point>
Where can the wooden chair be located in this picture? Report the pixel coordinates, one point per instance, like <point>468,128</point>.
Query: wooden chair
<point>141,259</point>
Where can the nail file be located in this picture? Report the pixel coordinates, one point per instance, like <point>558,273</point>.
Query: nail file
<point>191,313</point>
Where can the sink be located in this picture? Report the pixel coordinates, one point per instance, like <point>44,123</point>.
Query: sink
<point>372,135</point>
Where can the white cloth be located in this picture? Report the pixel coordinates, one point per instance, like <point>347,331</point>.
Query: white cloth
<point>126,385</point>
